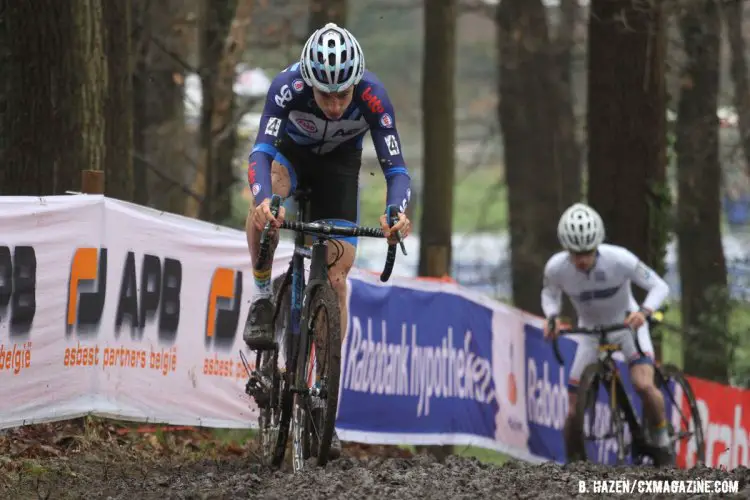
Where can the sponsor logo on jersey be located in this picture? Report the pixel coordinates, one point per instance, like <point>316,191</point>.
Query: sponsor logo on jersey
<point>345,133</point>
<point>386,121</point>
<point>298,85</point>
<point>372,101</point>
<point>307,125</point>
<point>251,173</point>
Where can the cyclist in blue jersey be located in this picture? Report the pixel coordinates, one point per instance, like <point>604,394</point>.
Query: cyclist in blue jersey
<point>316,115</point>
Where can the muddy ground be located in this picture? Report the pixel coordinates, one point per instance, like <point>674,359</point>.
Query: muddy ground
<point>100,460</point>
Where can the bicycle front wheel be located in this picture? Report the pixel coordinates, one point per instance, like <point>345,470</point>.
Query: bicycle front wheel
<point>598,429</point>
<point>683,418</point>
<point>275,418</point>
<point>317,378</point>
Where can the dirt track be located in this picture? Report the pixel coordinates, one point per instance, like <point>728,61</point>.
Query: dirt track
<point>118,468</point>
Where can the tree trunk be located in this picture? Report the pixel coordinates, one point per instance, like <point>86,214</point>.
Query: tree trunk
<point>703,272</point>
<point>627,127</point>
<point>119,102</point>
<point>326,11</point>
<point>528,117</point>
<point>438,117</point>
<point>57,83</point>
<point>568,149</point>
<point>734,18</point>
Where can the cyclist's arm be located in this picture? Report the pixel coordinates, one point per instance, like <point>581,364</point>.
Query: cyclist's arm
<point>646,278</point>
<point>380,116</point>
<point>272,126</point>
<point>551,293</point>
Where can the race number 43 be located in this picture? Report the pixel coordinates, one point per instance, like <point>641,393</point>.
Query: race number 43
<point>18,287</point>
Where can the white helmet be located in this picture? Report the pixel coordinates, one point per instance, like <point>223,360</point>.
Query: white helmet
<point>332,59</point>
<point>580,229</point>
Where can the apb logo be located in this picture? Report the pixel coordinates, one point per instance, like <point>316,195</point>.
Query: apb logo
<point>160,286</point>
<point>224,302</point>
<point>18,288</point>
<point>87,288</point>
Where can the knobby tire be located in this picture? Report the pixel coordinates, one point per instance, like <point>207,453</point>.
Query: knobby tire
<point>323,299</point>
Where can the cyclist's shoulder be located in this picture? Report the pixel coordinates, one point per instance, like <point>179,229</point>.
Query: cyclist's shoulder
<point>618,255</point>
<point>287,75</point>
<point>615,251</point>
<point>371,95</point>
<point>556,262</point>
<point>288,88</point>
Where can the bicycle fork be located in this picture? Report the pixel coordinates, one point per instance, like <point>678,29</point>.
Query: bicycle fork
<point>620,405</point>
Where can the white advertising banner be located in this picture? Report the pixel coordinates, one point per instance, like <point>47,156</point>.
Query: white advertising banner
<point>113,309</point>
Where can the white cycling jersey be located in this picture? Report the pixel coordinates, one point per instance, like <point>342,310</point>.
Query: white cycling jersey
<point>603,294</point>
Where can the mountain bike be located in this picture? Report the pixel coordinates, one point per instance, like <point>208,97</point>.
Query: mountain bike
<point>604,372</point>
<point>305,392</point>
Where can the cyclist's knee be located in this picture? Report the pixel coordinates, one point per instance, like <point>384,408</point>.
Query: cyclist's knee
<point>572,398</point>
<point>642,376</point>
<point>340,259</point>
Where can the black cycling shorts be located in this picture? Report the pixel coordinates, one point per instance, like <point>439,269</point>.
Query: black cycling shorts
<point>333,180</point>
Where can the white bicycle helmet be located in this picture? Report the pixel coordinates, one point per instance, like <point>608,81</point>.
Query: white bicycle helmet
<point>580,229</point>
<point>332,60</point>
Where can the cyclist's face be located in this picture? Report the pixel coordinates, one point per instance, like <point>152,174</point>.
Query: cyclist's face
<point>333,104</point>
<point>584,260</point>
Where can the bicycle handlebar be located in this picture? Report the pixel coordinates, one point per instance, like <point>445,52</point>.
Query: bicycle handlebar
<point>327,230</point>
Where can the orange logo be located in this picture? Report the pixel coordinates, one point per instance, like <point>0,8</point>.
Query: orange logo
<point>512,388</point>
<point>224,300</point>
<point>85,307</point>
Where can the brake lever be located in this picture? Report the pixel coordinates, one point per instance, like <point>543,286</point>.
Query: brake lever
<point>392,212</point>
<point>394,220</point>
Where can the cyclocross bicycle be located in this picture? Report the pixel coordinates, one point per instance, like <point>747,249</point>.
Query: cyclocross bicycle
<point>307,326</point>
<point>604,372</point>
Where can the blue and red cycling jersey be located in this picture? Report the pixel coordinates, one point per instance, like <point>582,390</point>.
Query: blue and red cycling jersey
<point>290,110</point>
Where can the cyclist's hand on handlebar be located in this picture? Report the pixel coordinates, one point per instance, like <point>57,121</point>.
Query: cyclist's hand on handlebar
<point>403,225</point>
<point>551,328</point>
<point>635,320</point>
<point>262,214</point>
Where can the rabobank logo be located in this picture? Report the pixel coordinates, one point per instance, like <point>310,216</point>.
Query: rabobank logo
<point>547,400</point>
<point>402,366</point>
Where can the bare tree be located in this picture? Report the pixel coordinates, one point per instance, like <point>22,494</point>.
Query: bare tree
<point>439,138</point>
<point>703,271</point>
<point>528,116</point>
<point>162,51</point>
<point>222,40</point>
<point>326,11</point>
<point>734,17</point>
<point>438,116</point>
